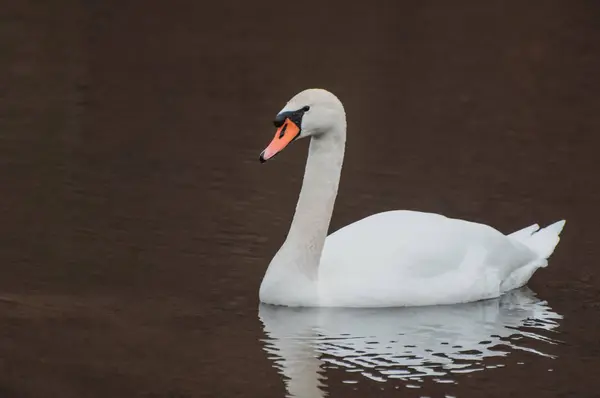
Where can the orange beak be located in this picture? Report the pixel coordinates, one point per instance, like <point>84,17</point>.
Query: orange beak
<point>283,136</point>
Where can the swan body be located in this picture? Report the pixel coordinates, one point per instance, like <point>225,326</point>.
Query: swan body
<point>394,258</point>
<point>400,258</point>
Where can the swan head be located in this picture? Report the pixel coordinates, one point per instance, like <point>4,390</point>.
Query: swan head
<point>310,113</point>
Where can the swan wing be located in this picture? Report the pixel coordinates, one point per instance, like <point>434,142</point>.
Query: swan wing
<point>415,258</point>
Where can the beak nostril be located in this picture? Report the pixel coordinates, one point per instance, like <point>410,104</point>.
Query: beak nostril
<point>282,132</point>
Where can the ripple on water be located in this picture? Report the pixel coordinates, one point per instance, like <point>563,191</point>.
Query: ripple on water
<point>438,343</point>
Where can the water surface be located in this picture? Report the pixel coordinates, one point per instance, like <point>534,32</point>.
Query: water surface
<point>136,221</point>
<point>406,347</point>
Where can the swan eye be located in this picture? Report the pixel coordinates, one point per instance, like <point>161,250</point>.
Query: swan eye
<point>306,108</point>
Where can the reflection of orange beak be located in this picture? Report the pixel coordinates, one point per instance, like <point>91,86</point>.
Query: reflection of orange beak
<point>283,136</point>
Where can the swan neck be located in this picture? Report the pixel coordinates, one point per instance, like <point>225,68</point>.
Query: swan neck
<point>317,198</point>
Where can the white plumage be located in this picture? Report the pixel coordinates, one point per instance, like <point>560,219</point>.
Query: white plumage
<point>395,258</point>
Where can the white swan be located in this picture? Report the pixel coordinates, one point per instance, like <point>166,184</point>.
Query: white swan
<point>395,258</point>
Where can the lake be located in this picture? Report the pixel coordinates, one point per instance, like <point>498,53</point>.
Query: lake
<point>137,221</point>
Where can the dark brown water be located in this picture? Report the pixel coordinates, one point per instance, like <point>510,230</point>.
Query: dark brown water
<point>137,221</point>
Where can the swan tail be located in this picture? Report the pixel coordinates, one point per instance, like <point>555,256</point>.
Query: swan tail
<point>541,241</point>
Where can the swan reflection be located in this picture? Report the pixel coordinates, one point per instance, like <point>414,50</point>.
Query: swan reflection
<point>410,344</point>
